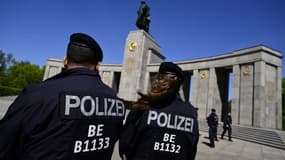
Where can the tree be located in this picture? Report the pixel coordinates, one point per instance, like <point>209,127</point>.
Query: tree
<point>15,75</point>
<point>5,60</point>
<point>24,73</point>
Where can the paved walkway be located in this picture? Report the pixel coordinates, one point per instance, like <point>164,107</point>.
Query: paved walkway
<point>236,150</point>
<point>224,150</point>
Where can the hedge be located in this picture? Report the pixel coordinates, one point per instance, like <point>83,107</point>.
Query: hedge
<point>9,91</point>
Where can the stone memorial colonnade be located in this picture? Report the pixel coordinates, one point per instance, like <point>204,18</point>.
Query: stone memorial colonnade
<point>256,80</point>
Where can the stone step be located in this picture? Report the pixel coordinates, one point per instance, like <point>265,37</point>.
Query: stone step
<point>265,140</point>
<point>282,136</point>
<point>279,145</point>
<point>272,138</point>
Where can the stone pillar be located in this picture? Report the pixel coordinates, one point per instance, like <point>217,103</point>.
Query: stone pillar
<point>271,97</point>
<point>259,94</point>
<point>195,86</point>
<point>53,67</point>
<point>213,94</point>
<point>108,78</point>
<point>202,95</point>
<point>279,98</point>
<point>185,88</point>
<point>133,76</point>
<point>235,94</point>
<point>246,95</point>
<point>153,57</point>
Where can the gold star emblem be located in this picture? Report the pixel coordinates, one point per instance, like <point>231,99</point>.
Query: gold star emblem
<point>203,74</point>
<point>133,46</point>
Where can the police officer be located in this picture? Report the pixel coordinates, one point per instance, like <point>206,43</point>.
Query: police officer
<point>227,126</point>
<point>71,116</point>
<point>166,127</point>
<point>212,121</point>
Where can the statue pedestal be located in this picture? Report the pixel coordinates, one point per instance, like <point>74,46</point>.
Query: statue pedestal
<point>140,51</point>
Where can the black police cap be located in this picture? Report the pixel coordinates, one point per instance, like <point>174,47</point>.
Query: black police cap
<point>84,40</point>
<point>169,67</point>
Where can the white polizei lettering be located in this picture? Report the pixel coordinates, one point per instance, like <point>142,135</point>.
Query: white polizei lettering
<point>189,124</point>
<point>98,113</point>
<point>151,116</point>
<point>92,107</point>
<point>111,107</point>
<point>89,106</point>
<point>180,122</point>
<point>69,105</point>
<point>169,121</point>
<point>97,104</point>
<point>120,108</point>
<point>162,114</point>
<point>105,105</point>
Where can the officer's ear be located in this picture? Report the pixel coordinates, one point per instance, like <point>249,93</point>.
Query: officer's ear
<point>97,67</point>
<point>65,61</point>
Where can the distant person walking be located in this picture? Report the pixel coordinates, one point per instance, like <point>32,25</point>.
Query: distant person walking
<point>213,122</point>
<point>227,126</point>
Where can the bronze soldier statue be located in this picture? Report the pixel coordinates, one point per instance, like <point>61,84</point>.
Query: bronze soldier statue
<point>143,19</point>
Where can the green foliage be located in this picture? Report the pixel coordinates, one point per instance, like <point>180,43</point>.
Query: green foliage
<point>24,73</point>
<point>15,75</point>
<point>9,91</point>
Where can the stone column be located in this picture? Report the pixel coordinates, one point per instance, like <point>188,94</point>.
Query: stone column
<point>246,94</point>
<point>153,57</point>
<point>108,78</point>
<point>279,98</point>
<point>259,94</point>
<point>236,94</point>
<point>212,95</point>
<point>202,93</point>
<point>271,97</point>
<point>185,88</point>
<point>53,67</point>
<point>133,76</point>
<point>195,86</point>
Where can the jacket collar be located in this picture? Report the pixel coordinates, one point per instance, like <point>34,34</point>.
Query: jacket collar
<point>74,71</point>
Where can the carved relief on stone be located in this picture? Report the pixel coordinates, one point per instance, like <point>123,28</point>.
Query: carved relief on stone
<point>53,71</point>
<point>203,74</point>
<point>271,91</point>
<point>246,71</point>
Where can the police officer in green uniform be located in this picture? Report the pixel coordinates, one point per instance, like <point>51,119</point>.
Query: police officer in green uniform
<point>165,127</point>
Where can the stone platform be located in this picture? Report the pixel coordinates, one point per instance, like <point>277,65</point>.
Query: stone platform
<point>236,150</point>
